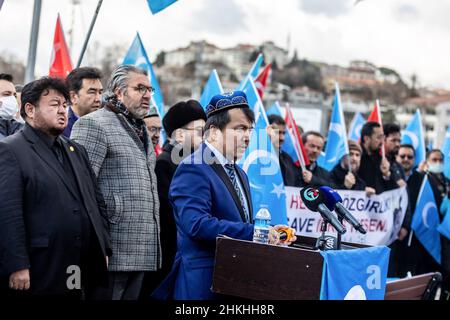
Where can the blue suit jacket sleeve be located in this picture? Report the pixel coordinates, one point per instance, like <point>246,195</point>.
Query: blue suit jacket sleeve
<point>191,197</point>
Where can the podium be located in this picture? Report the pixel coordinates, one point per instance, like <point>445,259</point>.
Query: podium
<point>266,272</point>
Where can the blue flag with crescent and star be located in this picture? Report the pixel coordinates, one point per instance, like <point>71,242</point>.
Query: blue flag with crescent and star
<point>425,221</point>
<point>357,274</point>
<point>413,135</point>
<point>446,152</point>
<point>253,73</point>
<point>337,145</point>
<point>354,132</point>
<point>262,166</point>
<point>444,227</point>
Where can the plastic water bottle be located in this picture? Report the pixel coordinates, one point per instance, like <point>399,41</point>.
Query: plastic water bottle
<point>262,224</point>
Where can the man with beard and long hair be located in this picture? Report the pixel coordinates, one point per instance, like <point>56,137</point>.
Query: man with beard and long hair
<point>54,237</point>
<point>343,178</point>
<point>123,159</point>
<point>375,169</point>
<point>392,138</point>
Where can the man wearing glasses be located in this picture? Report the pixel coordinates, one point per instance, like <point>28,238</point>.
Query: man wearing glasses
<point>153,123</point>
<point>123,159</point>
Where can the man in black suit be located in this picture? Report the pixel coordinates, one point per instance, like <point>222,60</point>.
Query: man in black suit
<point>54,238</point>
<point>314,174</point>
<point>375,169</point>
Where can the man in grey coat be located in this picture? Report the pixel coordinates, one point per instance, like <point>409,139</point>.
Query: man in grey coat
<point>123,159</point>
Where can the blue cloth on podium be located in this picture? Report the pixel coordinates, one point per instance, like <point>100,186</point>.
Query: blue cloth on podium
<point>357,274</point>
<point>205,205</point>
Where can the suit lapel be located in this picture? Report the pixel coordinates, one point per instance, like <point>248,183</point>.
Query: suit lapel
<point>47,156</point>
<point>77,169</point>
<point>246,192</point>
<point>220,171</point>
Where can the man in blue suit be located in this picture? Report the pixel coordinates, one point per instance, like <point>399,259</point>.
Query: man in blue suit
<point>210,196</point>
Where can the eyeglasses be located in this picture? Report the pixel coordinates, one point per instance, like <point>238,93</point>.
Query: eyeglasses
<point>403,156</point>
<point>155,129</point>
<point>143,89</point>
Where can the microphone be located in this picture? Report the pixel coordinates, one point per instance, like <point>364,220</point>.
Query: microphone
<point>314,201</point>
<point>334,200</point>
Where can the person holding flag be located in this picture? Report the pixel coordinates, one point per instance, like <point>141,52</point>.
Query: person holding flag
<point>432,247</point>
<point>419,256</point>
<point>346,179</point>
<point>440,185</point>
<point>392,138</point>
<point>315,174</point>
<point>407,252</point>
<point>375,169</point>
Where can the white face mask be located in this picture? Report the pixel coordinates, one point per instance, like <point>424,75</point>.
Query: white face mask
<point>8,107</point>
<point>436,167</point>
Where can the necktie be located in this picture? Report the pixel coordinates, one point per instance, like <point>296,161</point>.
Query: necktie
<point>232,174</point>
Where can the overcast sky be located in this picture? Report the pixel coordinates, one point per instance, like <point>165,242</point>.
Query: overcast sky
<point>411,36</point>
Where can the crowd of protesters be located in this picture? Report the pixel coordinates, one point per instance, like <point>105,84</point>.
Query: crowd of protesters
<point>85,183</point>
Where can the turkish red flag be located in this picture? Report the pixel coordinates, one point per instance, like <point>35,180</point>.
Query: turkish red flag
<point>60,64</point>
<point>375,116</point>
<point>261,80</point>
<point>158,150</point>
<point>298,143</point>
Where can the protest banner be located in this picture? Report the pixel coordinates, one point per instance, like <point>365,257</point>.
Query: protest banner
<point>381,215</point>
